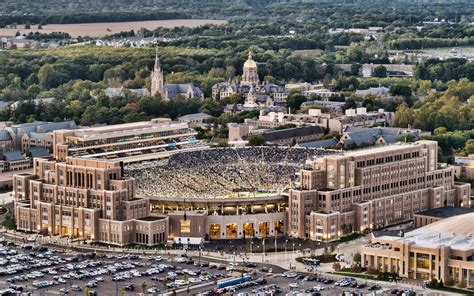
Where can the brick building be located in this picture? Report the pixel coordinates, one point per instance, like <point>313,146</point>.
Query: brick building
<point>369,189</point>
<point>85,198</point>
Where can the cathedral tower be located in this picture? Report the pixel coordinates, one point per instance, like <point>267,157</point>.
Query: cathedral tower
<point>157,79</point>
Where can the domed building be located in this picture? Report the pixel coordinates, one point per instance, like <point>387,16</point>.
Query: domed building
<point>250,75</point>
<point>257,95</point>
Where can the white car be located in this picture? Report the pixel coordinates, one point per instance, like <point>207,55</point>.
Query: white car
<point>290,274</point>
<point>194,280</point>
<point>75,288</point>
<point>158,258</point>
<point>99,279</point>
<point>181,259</point>
<point>153,290</point>
<point>318,288</point>
<point>294,285</point>
<point>181,282</point>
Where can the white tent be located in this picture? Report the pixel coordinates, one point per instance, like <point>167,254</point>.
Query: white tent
<point>196,241</point>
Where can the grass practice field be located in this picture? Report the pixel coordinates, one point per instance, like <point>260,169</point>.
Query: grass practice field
<point>102,29</point>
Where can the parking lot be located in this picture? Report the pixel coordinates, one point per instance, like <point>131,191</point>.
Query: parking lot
<point>291,283</point>
<point>46,271</point>
<point>38,270</point>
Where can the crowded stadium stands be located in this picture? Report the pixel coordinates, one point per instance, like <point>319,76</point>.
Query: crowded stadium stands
<point>214,173</point>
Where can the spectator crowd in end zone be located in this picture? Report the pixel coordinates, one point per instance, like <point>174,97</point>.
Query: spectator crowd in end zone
<point>216,172</point>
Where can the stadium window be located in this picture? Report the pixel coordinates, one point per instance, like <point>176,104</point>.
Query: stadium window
<point>185,226</point>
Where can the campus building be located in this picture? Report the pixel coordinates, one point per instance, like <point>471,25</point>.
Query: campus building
<point>332,196</point>
<point>170,91</point>
<point>86,199</point>
<point>251,88</point>
<point>129,142</point>
<point>334,123</point>
<point>369,189</point>
<point>443,250</point>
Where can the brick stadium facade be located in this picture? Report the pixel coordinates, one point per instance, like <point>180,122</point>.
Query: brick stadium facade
<point>369,189</point>
<point>85,198</point>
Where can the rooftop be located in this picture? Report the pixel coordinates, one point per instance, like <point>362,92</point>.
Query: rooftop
<point>328,143</point>
<point>130,128</point>
<point>455,232</point>
<point>378,149</point>
<point>13,155</point>
<point>151,218</point>
<point>275,135</point>
<point>195,116</point>
<point>446,212</point>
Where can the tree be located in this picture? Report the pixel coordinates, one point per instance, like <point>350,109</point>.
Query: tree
<point>439,130</point>
<point>48,76</point>
<point>354,52</point>
<point>469,147</point>
<point>295,99</point>
<point>380,72</point>
<point>355,69</point>
<point>404,116</point>
<point>400,90</point>
<point>9,222</point>
<point>461,284</point>
<point>256,140</point>
<point>336,266</point>
<point>421,72</point>
<point>143,287</point>
<point>357,258</point>
<point>449,282</point>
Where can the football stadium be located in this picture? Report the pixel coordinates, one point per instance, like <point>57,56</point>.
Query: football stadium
<point>223,193</point>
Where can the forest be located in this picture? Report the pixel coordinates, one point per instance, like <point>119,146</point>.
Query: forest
<point>437,97</point>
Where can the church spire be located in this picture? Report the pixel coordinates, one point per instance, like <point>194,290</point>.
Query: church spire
<point>157,79</point>
<point>157,61</point>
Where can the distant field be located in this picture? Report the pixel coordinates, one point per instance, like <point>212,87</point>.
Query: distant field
<point>306,52</point>
<point>101,29</point>
<point>460,49</point>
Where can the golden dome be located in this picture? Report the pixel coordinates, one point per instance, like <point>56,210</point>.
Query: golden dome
<point>249,63</point>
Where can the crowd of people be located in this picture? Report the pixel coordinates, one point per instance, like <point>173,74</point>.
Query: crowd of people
<point>219,172</point>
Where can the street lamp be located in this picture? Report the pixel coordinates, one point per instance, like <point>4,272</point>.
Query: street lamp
<point>293,255</point>
<point>276,248</point>
<point>199,260</point>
